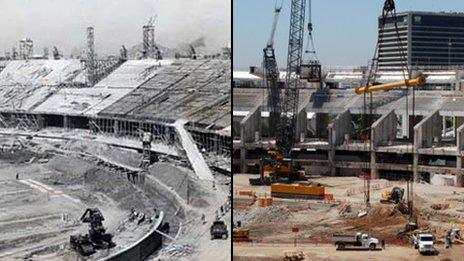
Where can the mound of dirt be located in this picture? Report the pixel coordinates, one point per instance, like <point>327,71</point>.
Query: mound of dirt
<point>272,214</point>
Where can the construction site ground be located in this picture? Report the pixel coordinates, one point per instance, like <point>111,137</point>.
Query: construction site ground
<point>327,252</point>
<point>59,178</point>
<point>271,227</point>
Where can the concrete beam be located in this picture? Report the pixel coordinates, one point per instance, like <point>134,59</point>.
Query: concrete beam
<point>250,126</point>
<point>339,128</point>
<point>424,133</point>
<point>384,129</point>
<point>426,130</point>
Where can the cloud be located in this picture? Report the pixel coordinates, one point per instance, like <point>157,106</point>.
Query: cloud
<point>116,22</point>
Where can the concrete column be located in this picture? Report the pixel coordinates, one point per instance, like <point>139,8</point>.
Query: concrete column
<point>443,126</point>
<point>116,127</point>
<point>424,133</point>
<point>384,129</point>
<point>338,128</point>
<point>426,130</point>
<point>322,121</point>
<point>66,122</point>
<point>374,171</point>
<point>459,148</point>
<point>40,121</point>
<point>458,121</point>
<point>415,167</point>
<point>333,170</point>
<point>301,123</point>
<point>405,125</point>
<point>243,166</point>
<point>459,176</point>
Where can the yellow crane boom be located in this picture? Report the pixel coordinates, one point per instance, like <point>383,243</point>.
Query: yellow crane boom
<point>419,81</point>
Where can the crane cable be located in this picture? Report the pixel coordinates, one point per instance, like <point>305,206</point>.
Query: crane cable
<point>310,48</point>
<point>388,9</point>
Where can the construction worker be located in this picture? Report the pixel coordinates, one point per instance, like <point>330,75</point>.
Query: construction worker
<point>383,244</point>
<point>17,175</point>
<point>447,240</point>
<point>203,220</point>
<point>450,239</point>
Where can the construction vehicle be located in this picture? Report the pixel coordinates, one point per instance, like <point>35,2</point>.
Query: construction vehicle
<point>284,108</point>
<point>394,196</point>
<point>219,230</point>
<point>97,238</point>
<point>424,243</point>
<point>358,241</point>
<point>275,168</point>
<point>240,234</point>
<point>305,191</point>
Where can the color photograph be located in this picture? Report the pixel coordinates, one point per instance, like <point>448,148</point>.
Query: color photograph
<point>348,122</point>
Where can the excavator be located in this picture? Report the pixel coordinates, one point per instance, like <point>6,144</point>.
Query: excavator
<point>283,108</point>
<point>394,196</point>
<point>97,238</point>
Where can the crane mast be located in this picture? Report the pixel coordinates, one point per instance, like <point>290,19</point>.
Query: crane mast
<point>285,137</point>
<point>272,76</point>
<point>283,111</point>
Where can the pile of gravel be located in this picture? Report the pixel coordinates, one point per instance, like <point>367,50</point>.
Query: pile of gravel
<point>272,214</point>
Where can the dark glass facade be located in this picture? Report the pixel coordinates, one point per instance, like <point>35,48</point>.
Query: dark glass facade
<point>426,39</point>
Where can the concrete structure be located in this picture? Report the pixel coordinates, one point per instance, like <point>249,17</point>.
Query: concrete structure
<point>426,39</point>
<point>402,144</point>
<point>349,77</point>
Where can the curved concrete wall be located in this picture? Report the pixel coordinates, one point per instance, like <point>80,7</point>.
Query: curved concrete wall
<point>143,248</point>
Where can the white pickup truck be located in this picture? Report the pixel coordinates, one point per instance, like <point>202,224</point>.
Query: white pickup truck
<point>361,241</point>
<point>424,243</point>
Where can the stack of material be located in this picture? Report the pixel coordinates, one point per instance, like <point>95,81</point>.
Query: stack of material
<point>265,202</point>
<point>345,207</point>
<point>297,191</point>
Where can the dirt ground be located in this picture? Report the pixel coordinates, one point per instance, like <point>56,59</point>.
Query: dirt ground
<point>327,252</point>
<point>54,180</point>
<point>317,220</point>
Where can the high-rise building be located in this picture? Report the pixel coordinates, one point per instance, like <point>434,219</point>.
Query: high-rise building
<point>426,39</point>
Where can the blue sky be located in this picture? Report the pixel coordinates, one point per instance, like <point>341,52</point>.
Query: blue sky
<point>344,31</point>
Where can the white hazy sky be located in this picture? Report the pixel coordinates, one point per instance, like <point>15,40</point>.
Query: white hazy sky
<point>62,23</point>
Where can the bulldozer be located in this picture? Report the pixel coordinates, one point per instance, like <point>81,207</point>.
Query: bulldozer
<point>394,196</point>
<point>97,238</point>
<point>240,234</point>
<point>275,168</point>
